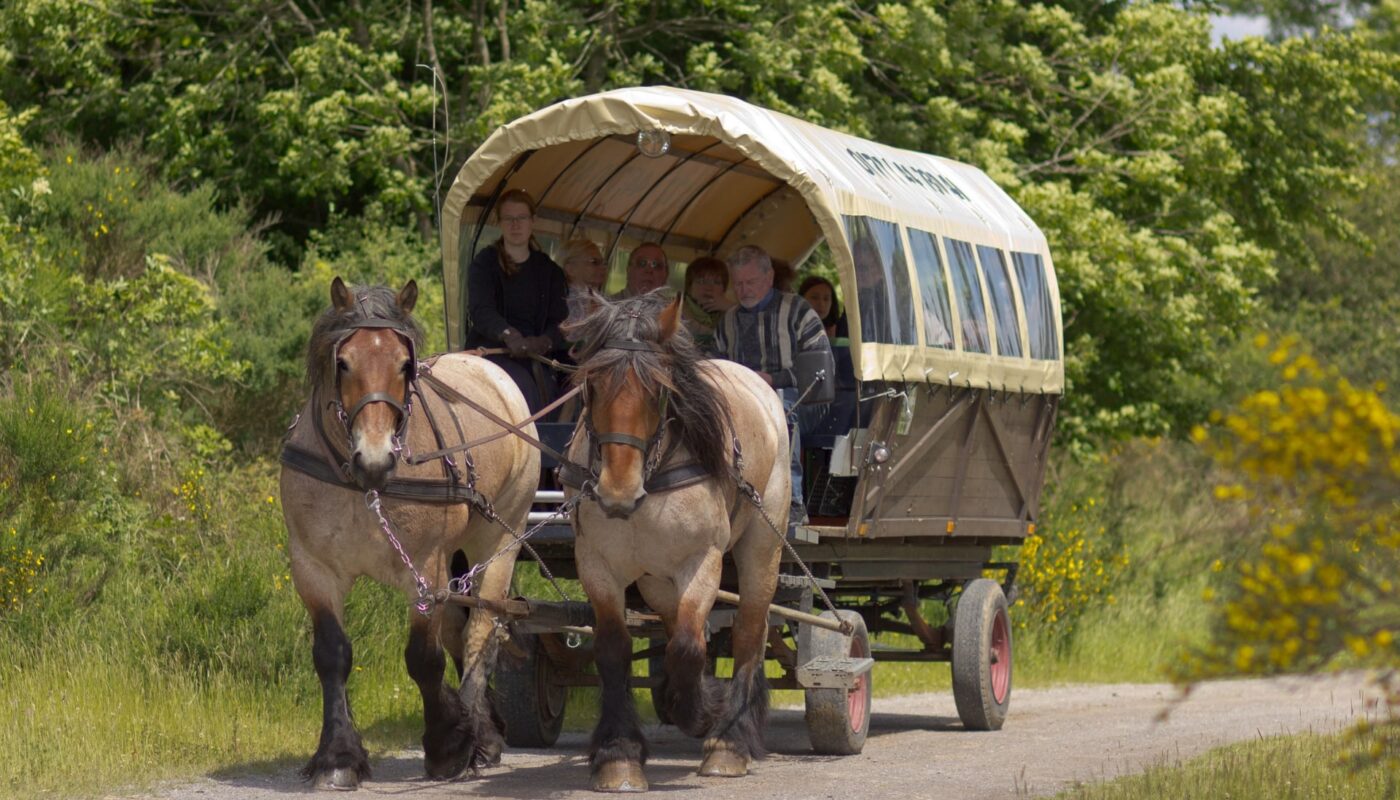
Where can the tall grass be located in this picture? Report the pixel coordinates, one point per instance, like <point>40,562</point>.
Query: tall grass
<point>1303,767</point>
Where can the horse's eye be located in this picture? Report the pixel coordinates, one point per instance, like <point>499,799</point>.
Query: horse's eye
<point>341,365</point>
<point>407,367</point>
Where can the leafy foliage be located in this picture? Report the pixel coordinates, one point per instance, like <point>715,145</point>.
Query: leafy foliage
<point>1174,178</point>
<point>1318,465</point>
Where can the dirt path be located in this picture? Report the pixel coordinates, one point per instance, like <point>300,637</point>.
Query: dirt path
<point>917,748</point>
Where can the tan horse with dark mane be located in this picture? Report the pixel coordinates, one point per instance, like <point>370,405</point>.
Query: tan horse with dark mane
<point>369,406</point>
<point>659,434</point>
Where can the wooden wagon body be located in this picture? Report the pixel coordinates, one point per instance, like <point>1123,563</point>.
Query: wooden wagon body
<point>933,453</point>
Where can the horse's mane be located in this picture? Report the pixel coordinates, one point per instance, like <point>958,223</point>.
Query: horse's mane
<point>700,411</point>
<point>371,302</point>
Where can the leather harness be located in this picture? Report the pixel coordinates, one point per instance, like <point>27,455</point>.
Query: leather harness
<point>332,467</point>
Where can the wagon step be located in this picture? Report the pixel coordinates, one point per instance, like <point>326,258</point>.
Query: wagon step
<point>831,672</point>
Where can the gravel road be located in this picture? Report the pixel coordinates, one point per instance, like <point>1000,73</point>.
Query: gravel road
<point>917,748</point>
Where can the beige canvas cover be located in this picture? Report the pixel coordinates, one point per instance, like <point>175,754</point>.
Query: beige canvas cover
<point>737,174</point>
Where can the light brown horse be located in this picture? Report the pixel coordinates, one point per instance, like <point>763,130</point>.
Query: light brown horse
<point>655,412</point>
<point>367,405</point>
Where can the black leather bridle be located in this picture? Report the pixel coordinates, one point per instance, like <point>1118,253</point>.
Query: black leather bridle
<point>404,406</point>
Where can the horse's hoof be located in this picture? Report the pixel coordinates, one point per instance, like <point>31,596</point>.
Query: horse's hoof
<point>450,771</point>
<point>721,762</point>
<point>342,779</point>
<point>620,776</point>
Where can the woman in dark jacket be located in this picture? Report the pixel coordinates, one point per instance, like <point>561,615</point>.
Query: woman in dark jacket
<point>516,298</point>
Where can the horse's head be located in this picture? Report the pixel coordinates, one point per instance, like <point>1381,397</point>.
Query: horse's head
<point>627,380</point>
<point>363,354</point>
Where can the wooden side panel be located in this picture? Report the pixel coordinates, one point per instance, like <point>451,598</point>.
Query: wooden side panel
<point>971,465</point>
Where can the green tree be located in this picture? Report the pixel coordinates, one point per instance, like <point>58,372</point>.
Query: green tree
<point>1174,178</point>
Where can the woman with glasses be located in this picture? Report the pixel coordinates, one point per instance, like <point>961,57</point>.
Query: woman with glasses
<point>706,298</point>
<point>516,298</point>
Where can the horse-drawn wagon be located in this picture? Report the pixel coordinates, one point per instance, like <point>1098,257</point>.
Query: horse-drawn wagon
<point>933,450</point>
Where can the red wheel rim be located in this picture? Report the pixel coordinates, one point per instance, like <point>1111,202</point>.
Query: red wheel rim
<point>857,698</point>
<point>1000,657</point>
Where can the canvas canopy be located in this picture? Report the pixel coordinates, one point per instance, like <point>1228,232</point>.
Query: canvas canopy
<point>943,277</point>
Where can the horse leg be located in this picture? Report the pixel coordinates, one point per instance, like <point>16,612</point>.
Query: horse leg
<point>694,698</point>
<point>618,750</point>
<point>485,729</point>
<point>340,761</point>
<point>737,736</point>
<point>446,746</point>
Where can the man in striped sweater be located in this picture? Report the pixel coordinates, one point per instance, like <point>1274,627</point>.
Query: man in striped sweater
<point>764,332</point>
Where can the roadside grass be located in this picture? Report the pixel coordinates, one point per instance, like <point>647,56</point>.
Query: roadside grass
<point>1301,767</point>
<point>191,654</point>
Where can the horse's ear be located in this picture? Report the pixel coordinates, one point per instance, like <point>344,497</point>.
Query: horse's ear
<point>408,296</point>
<point>340,295</point>
<point>670,320</point>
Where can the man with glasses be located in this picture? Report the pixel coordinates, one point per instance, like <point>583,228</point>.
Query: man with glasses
<point>765,332</point>
<point>647,270</point>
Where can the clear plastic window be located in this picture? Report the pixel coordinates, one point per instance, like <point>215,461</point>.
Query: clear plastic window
<point>1040,309</point>
<point>967,284</point>
<point>882,282</point>
<point>933,289</point>
<point>1003,301</point>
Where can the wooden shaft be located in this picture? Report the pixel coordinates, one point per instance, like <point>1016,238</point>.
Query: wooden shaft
<point>788,613</point>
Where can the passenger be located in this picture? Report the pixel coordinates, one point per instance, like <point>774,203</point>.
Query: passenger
<point>647,270</point>
<point>583,264</point>
<point>706,285</point>
<point>821,295</point>
<point>763,333</point>
<point>516,298</point>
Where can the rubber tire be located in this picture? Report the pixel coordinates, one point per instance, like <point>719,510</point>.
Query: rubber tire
<point>531,701</point>
<point>830,723</point>
<point>981,607</point>
<point>656,666</point>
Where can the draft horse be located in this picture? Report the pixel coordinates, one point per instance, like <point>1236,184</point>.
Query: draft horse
<point>370,409</point>
<point>662,433</point>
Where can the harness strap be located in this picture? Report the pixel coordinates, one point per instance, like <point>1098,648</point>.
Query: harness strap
<point>375,397</point>
<point>781,328</point>
<point>677,477</point>
<point>622,438</point>
<point>419,458</point>
<point>439,492</point>
<point>447,391</point>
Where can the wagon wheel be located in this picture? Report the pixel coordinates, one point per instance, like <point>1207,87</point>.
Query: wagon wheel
<point>839,719</point>
<point>982,656</point>
<point>531,698</point>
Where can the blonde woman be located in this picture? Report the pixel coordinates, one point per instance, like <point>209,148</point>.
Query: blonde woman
<point>583,264</point>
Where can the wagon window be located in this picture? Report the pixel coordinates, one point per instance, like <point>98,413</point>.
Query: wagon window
<point>1040,311</point>
<point>933,289</point>
<point>968,286</point>
<point>1003,301</point>
<point>882,281</point>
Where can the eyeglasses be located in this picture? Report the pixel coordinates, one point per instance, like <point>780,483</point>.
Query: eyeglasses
<point>708,280</point>
<point>650,263</point>
<point>515,220</point>
<point>586,260</point>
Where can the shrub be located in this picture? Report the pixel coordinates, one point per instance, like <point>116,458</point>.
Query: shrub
<point>1317,464</point>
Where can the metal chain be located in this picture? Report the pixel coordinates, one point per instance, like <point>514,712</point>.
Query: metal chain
<point>749,491</point>
<point>426,601</point>
<point>462,584</point>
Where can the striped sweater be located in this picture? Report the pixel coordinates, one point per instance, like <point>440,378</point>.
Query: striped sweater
<point>765,337</point>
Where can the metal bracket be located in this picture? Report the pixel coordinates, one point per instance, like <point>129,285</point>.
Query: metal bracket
<point>829,672</point>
